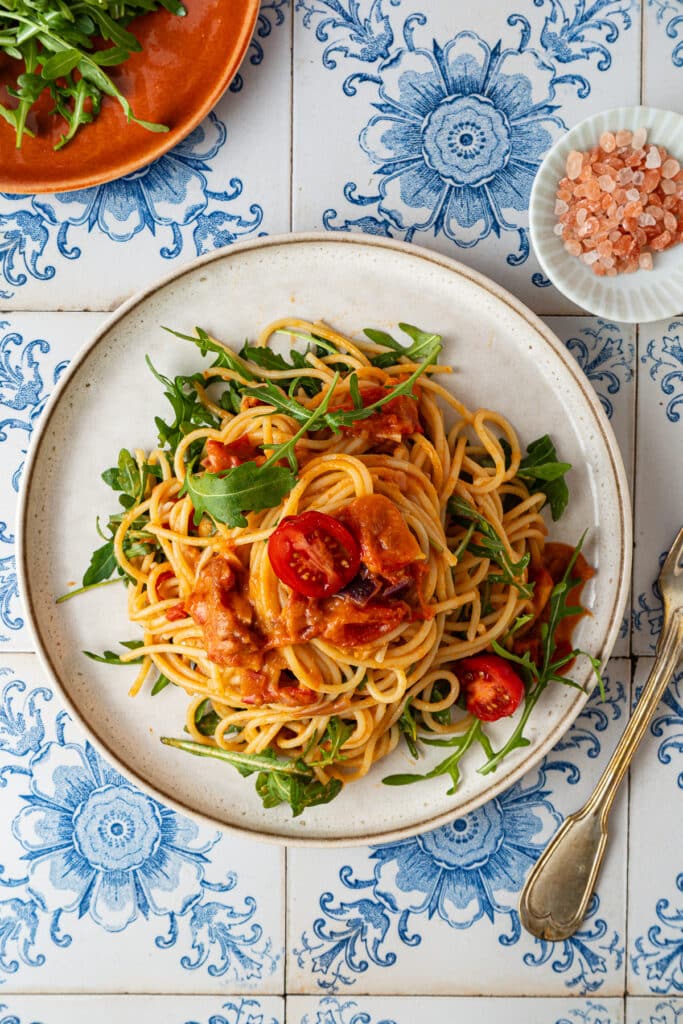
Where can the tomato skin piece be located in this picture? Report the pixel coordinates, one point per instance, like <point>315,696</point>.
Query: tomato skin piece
<point>314,554</point>
<point>220,456</point>
<point>397,418</point>
<point>491,687</point>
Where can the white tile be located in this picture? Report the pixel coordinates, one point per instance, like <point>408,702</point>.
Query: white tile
<point>386,142</point>
<point>151,1009</point>
<point>103,889</point>
<point>659,470</point>
<point>34,351</point>
<point>640,1010</point>
<point>655,896</point>
<point>435,913</point>
<point>407,1010</point>
<point>228,180</point>
<point>606,352</point>
<point>663,54</point>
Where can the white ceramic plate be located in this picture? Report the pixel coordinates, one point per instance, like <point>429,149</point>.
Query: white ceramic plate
<point>504,358</point>
<point>630,298</point>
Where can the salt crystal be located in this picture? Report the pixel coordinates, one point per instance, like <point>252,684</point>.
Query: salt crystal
<point>670,222</point>
<point>645,261</point>
<point>612,272</point>
<point>605,248</point>
<point>590,257</point>
<point>670,168</point>
<point>608,142</point>
<point>625,176</point>
<point>653,159</point>
<point>623,137</point>
<point>606,183</point>
<point>614,236</point>
<point>574,164</point>
<point>633,195</point>
<point>639,137</point>
<point>638,177</point>
<point>560,207</point>
<point>646,220</point>
<point>558,229</point>
<point>668,186</point>
<point>573,247</point>
<point>581,216</point>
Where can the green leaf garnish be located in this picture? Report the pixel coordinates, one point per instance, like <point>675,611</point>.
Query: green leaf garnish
<point>111,658</point>
<point>484,541</point>
<point>542,471</point>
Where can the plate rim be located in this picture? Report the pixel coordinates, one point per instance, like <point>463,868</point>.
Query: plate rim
<point>164,142</point>
<point>622,572</point>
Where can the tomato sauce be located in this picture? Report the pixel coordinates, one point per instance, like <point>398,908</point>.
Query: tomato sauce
<point>555,559</point>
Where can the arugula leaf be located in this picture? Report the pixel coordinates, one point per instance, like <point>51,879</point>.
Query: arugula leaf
<point>542,471</point>
<point>424,344</point>
<point>449,766</point>
<point>277,789</point>
<point>330,743</point>
<point>128,478</point>
<point>490,546</point>
<point>228,495</point>
<point>102,564</point>
<point>55,40</point>
<point>226,358</point>
<point>111,658</point>
<point>161,684</point>
<point>407,724</point>
<point>189,411</point>
<point>205,718</point>
<point>278,781</point>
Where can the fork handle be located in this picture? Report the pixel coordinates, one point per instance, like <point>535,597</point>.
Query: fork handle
<point>556,894</point>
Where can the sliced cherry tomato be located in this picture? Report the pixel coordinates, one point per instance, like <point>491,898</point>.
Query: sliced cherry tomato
<point>491,686</point>
<point>221,456</point>
<point>314,554</point>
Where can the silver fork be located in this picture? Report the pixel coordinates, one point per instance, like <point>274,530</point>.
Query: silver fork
<point>556,894</point>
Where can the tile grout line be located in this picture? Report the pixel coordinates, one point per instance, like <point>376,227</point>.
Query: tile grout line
<point>291,120</point>
<point>643,40</point>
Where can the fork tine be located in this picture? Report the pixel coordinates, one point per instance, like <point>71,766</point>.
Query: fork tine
<point>671,573</point>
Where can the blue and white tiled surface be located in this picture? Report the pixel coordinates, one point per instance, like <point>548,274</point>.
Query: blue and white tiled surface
<point>113,907</point>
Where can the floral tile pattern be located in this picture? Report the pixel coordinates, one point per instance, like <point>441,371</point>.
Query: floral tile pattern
<point>654,1011</point>
<point>404,1010</point>
<point>392,918</point>
<point>659,490</point>
<point>663,53</point>
<point>446,121</point>
<point>86,856</point>
<point>215,187</point>
<point>655,955</point>
<point>152,1009</point>
<point>424,122</point>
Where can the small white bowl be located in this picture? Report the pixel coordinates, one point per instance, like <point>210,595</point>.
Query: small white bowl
<point>631,298</point>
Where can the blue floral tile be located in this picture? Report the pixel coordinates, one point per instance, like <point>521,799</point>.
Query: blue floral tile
<point>606,352</point>
<point>433,913</point>
<point>428,124</point>
<point>217,186</point>
<point>406,1010</point>
<point>654,1011</point>
<point>35,349</point>
<point>663,54</point>
<point>659,491</point>
<point>655,909</point>
<point>87,857</point>
<point>151,1009</point>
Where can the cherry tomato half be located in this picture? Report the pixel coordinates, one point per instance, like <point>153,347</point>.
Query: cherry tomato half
<point>491,686</point>
<point>314,554</point>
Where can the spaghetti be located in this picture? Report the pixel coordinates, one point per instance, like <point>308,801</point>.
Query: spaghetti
<point>445,527</point>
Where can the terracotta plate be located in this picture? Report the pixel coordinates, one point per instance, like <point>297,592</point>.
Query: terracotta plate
<point>504,357</point>
<point>184,67</point>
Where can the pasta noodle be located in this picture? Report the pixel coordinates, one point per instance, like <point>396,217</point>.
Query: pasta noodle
<point>460,598</point>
